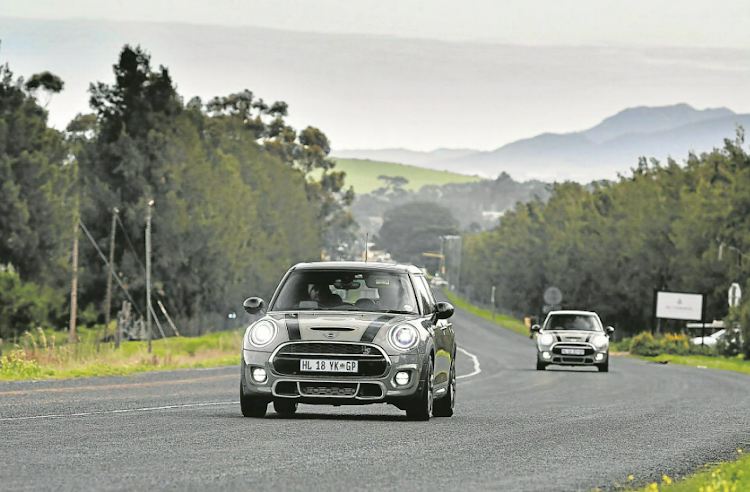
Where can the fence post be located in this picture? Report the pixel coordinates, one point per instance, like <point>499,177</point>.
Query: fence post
<point>26,343</point>
<point>1,349</point>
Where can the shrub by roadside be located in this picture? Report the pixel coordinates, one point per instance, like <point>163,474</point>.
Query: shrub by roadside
<point>647,345</point>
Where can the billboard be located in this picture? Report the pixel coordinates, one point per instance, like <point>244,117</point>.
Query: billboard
<point>679,305</point>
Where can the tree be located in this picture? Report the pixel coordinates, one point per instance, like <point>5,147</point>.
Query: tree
<point>415,228</point>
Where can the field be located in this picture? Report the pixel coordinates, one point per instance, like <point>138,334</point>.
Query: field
<point>363,175</point>
<point>47,358</point>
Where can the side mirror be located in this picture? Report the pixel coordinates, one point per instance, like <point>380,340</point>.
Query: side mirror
<point>609,330</point>
<point>535,328</point>
<point>444,310</point>
<point>253,305</point>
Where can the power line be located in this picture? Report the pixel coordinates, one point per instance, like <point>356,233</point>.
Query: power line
<point>111,271</point>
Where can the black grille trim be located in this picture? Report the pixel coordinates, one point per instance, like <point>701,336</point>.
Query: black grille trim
<point>372,360</point>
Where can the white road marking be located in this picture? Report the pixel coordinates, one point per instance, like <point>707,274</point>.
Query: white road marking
<point>126,410</point>
<point>474,358</point>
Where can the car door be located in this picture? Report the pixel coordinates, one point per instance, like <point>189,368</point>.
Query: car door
<point>442,329</point>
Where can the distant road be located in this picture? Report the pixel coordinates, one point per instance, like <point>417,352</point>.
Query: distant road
<point>515,429</point>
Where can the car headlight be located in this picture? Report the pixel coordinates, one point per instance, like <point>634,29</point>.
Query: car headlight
<point>600,341</point>
<point>546,339</point>
<point>262,333</point>
<point>403,337</point>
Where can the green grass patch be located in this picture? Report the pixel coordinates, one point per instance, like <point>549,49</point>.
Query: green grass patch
<point>737,364</point>
<point>504,321</point>
<point>363,175</point>
<point>733,476</point>
<point>41,359</point>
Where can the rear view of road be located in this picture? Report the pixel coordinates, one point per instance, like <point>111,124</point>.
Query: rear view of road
<point>515,428</point>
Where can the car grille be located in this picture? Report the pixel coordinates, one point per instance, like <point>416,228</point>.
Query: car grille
<point>372,360</point>
<point>328,389</point>
<point>308,348</point>
<point>587,349</point>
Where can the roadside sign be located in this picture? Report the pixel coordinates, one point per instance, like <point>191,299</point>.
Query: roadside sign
<point>552,296</point>
<point>679,305</point>
<point>735,294</point>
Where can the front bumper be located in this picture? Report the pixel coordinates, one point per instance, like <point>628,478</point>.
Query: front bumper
<point>591,357</point>
<point>333,389</point>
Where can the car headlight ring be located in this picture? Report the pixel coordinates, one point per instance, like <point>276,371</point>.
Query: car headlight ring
<point>262,333</point>
<point>403,337</point>
<point>546,339</point>
<point>600,341</point>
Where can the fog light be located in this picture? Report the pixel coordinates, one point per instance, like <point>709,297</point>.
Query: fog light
<point>545,355</point>
<point>402,378</point>
<point>259,375</point>
<point>599,356</point>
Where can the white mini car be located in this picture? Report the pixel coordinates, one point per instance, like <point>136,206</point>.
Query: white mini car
<point>572,338</point>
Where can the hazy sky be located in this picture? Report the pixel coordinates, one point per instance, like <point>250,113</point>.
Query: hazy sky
<point>499,71</point>
<point>698,23</point>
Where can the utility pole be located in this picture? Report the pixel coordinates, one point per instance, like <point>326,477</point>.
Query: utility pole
<point>74,286</point>
<point>107,303</point>
<point>493,302</point>
<point>148,274</point>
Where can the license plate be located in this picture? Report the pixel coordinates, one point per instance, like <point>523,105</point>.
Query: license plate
<point>573,351</point>
<point>327,365</point>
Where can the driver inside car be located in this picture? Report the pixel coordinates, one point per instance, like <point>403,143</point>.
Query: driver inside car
<point>322,294</point>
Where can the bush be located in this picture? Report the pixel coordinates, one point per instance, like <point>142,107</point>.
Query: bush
<point>645,344</point>
<point>24,305</point>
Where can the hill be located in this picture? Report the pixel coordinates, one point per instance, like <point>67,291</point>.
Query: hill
<point>404,156</point>
<point>610,148</point>
<point>363,175</point>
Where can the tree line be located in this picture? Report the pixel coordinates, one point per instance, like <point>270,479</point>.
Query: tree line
<point>235,201</point>
<point>609,245</point>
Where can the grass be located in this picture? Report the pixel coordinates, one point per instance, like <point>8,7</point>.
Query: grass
<point>733,476</point>
<point>363,175</point>
<point>504,321</point>
<point>737,364</point>
<point>44,359</point>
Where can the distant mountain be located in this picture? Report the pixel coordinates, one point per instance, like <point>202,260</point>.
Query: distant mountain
<point>648,120</point>
<point>404,156</point>
<point>606,150</point>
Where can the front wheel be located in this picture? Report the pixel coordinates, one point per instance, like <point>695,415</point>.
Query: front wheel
<point>421,407</point>
<point>603,367</point>
<point>445,405</point>
<point>252,407</point>
<point>540,366</point>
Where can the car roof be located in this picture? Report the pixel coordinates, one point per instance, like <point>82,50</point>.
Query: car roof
<point>583,313</point>
<point>357,265</point>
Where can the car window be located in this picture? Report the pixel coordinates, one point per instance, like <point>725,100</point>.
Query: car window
<point>346,290</point>
<point>579,322</point>
<point>425,295</point>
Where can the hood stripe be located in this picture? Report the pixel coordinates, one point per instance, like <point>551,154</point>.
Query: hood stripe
<point>375,326</point>
<point>292,327</point>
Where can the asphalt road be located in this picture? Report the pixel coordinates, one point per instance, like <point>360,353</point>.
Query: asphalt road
<point>515,429</point>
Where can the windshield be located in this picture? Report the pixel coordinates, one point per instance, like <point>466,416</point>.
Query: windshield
<point>580,322</point>
<point>348,290</point>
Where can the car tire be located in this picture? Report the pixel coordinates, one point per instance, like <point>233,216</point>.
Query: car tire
<point>421,407</point>
<point>250,406</point>
<point>603,367</point>
<point>540,366</point>
<point>285,407</point>
<point>445,405</point>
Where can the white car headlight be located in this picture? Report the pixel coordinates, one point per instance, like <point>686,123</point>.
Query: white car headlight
<point>262,333</point>
<point>403,337</point>
<point>546,339</point>
<point>600,341</point>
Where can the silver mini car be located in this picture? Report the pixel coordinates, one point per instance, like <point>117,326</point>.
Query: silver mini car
<point>350,333</point>
<point>572,338</point>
